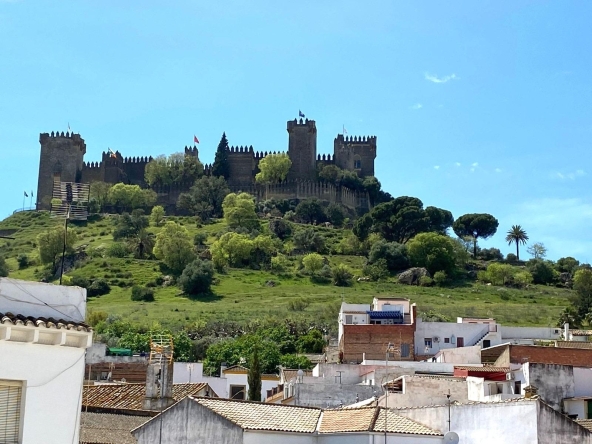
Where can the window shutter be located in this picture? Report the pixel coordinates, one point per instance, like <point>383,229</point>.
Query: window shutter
<point>10,412</point>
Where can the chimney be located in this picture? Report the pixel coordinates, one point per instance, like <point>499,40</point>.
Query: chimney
<point>223,367</point>
<point>566,331</point>
<point>159,386</point>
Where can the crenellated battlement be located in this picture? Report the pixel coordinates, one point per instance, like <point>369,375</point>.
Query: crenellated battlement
<point>92,165</point>
<point>191,151</point>
<point>240,149</point>
<point>369,140</point>
<point>137,159</point>
<point>325,157</point>
<point>310,124</point>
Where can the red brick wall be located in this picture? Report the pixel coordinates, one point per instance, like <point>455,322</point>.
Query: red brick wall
<point>550,355</point>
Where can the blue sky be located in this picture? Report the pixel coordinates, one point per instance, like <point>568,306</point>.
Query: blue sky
<point>477,106</point>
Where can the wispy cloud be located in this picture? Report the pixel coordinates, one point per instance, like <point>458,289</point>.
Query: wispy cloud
<point>475,164</point>
<point>568,176</point>
<point>436,167</point>
<point>417,106</point>
<point>458,164</point>
<point>436,79</point>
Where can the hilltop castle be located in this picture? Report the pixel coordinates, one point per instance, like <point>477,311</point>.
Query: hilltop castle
<point>62,158</point>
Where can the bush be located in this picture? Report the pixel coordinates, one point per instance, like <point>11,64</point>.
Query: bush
<point>376,271</point>
<point>157,215</point>
<point>433,251</point>
<point>117,249</point>
<point>299,304</point>
<point>542,271</point>
<point>79,281</point>
<point>440,278</point>
<point>281,228</point>
<point>98,287</point>
<point>142,294</point>
<point>426,281</point>
<point>309,240</point>
<point>23,261</point>
<point>336,214</point>
<point>500,274</point>
<point>523,278</point>
<point>313,263</point>
<point>200,239</point>
<point>342,276</point>
<point>491,254</point>
<point>394,255</point>
<point>197,277</point>
<point>511,258</point>
<point>279,262</point>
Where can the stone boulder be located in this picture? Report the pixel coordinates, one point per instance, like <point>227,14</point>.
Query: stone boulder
<point>412,275</point>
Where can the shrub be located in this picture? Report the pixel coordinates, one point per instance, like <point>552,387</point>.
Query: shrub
<point>542,271</point>
<point>440,278</point>
<point>336,214</point>
<point>376,271</point>
<point>281,228</point>
<point>313,263</point>
<point>23,261</point>
<point>342,276</point>
<point>117,249</point>
<point>309,240</point>
<point>500,274</point>
<point>433,251</point>
<point>279,262</point>
<point>142,294</point>
<point>299,304</point>
<point>523,278</point>
<point>426,281</point>
<point>79,281</point>
<point>157,215</point>
<point>394,255</point>
<point>98,287</point>
<point>200,238</point>
<point>197,277</point>
<point>511,258</point>
<point>491,254</point>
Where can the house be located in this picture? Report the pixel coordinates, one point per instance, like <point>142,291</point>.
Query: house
<point>224,421</point>
<point>238,382</point>
<point>367,330</point>
<point>43,340</point>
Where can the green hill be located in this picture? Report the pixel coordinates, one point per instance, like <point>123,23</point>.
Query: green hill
<point>245,295</point>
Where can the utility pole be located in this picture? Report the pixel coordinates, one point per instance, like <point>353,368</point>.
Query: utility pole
<point>69,199</point>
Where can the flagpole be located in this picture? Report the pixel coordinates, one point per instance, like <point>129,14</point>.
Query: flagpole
<point>24,194</point>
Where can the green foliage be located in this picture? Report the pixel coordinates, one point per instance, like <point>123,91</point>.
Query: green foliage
<point>296,362</point>
<point>336,214</point>
<point>98,287</point>
<point>281,228</point>
<point>174,247</point>
<point>537,251</point>
<point>582,284</point>
<point>308,239</point>
<point>157,216</point>
<point>4,270</point>
<point>491,254</point>
<point>221,166</point>
<point>330,173</point>
<point>200,239</point>
<point>440,220</point>
<point>542,271</point>
<point>129,197</point>
<point>567,265</point>
<point>254,377</point>
<point>434,316</point>
<point>310,210</point>
<point>313,263</point>
<point>516,235</point>
<point>394,255</point>
<point>239,211</point>
<point>176,169</point>
<point>500,274</point>
<point>233,351</point>
<point>129,225</point>
<point>433,251</point>
<point>279,262</point>
<point>523,278</point>
<point>99,192</point>
<point>311,342</point>
<point>142,294</point>
<point>141,244</point>
<point>341,275</point>
<point>23,261</point>
<point>299,304</point>
<point>94,317</point>
<point>476,226</point>
<point>426,281</point>
<point>273,168</point>
<point>377,270</point>
<point>440,278</point>
<point>50,244</point>
<point>117,249</point>
<point>232,249</point>
<point>205,197</point>
<point>511,258</point>
<point>197,277</point>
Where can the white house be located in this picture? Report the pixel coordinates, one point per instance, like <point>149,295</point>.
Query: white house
<point>43,340</point>
<point>238,384</point>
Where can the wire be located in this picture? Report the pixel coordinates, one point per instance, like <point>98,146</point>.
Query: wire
<point>59,374</point>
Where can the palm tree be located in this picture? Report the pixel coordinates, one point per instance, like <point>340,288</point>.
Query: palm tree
<point>518,235</point>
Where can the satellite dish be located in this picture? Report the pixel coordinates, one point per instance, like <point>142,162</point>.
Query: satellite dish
<point>451,438</point>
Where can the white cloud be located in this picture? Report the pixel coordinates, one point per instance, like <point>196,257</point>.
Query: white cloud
<point>498,170</point>
<point>571,175</point>
<point>437,167</point>
<point>436,79</point>
<point>475,164</point>
<point>417,106</point>
<point>457,164</point>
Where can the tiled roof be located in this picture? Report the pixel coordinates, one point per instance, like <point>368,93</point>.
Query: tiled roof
<point>290,374</point>
<point>30,321</point>
<point>399,424</point>
<point>573,344</point>
<point>347,420</point>
<point>104,428</point>
<point>581,332</point>
<point>131,396</point>
<point>585,423</point>
<point>486,369</point>
<point>235,369</point>
<point>259,416</point>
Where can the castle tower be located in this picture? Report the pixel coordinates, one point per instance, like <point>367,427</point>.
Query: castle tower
<point>62,157</point>
<point>302,149</point>
<point>355,153</point>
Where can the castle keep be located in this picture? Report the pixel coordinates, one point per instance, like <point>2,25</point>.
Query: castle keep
<point>62,158</point>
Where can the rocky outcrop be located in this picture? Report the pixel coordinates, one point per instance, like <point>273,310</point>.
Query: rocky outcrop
<point>413,275</point>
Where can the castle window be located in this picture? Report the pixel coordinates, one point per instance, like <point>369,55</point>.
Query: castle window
<point>357,163</point>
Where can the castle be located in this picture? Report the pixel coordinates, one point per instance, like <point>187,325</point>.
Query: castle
<point>62,158</point>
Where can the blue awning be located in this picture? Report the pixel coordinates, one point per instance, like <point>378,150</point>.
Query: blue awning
<point>385,314</point>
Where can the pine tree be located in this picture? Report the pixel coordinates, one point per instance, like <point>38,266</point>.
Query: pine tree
<point>254,378</point>
<point>221,166</point>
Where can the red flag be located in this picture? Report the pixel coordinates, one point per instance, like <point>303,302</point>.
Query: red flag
<point>195,140</point>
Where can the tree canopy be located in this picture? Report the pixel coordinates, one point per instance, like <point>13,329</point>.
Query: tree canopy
<point>479,225</point>
<point>517,235</point>
<point>239,211</point>
<point>273,168</point>
<point>129,197</point>
<point>174,247</point>
<point>51,244</point>
<point>221,166</point>
<point>433,251</point>
<point>178,168</point>
<point>205,197</point>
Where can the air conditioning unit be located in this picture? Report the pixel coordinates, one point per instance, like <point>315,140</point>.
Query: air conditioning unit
<point>436,338</point>
<point>509,376</point>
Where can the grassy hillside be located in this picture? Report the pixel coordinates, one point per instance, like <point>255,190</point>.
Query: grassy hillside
<point>243,295</point>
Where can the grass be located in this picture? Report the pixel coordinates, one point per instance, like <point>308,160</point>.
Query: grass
<point>245,295</point>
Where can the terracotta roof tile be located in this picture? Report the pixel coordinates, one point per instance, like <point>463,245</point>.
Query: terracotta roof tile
<point>347,420</point>
<point>290,374</point>
<point>587,423</point>
<point>399,424</point>
<point>259,416</point>
<point>131,396</point>
<point>485,369</point>
<point>581,332</point>
<point>30,321</point>
<point>573,344</point>
<point>104,428</point>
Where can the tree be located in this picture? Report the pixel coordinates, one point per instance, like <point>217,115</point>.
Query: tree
<point>273,168</point>
<point>517,235</point>
<point>341,275</point>
<point>542,271</point>
<point>128,197</point>
<point>99,192</point>
<point>476,226</point>
<point>235,351</point>
<point>157,215</point>
<point>440,220</point>
<point>309,240</point>
<point>205,197</point>
<point>141,243</point>
<point>51,245</point>
<point>232,249</point>
<point>129,226</point>
<point>330,174</point>
<point>142,294</point>
<point>313,262</point>
<point>567,265</point>
<point>310,210</point>
<point>500,274</point>
<point>4,270</point>
<point>394,255</point>
<point>176,169</point>
<point>174,247</point>
<point>582,284</point>
<point>281,228</point>
<point>197,277</point>
<point>537,250</point>
<point>433,251</point>
<point>221,166</point>
<point>239,211</point>
<point>254,377</point>
<point>336,214</point>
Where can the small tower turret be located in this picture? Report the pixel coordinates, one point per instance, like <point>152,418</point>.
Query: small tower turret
<point>302,149</point>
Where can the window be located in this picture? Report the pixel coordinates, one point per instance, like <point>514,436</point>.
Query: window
<point>238,392</point>
<point>357,162</point>
<point>486,343</point>
<point>446,340</point>
<point>404,350</point>
<point>518,388</point>
<point>428,342</point>
<point>10,411</point>
<point>349,319</point>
